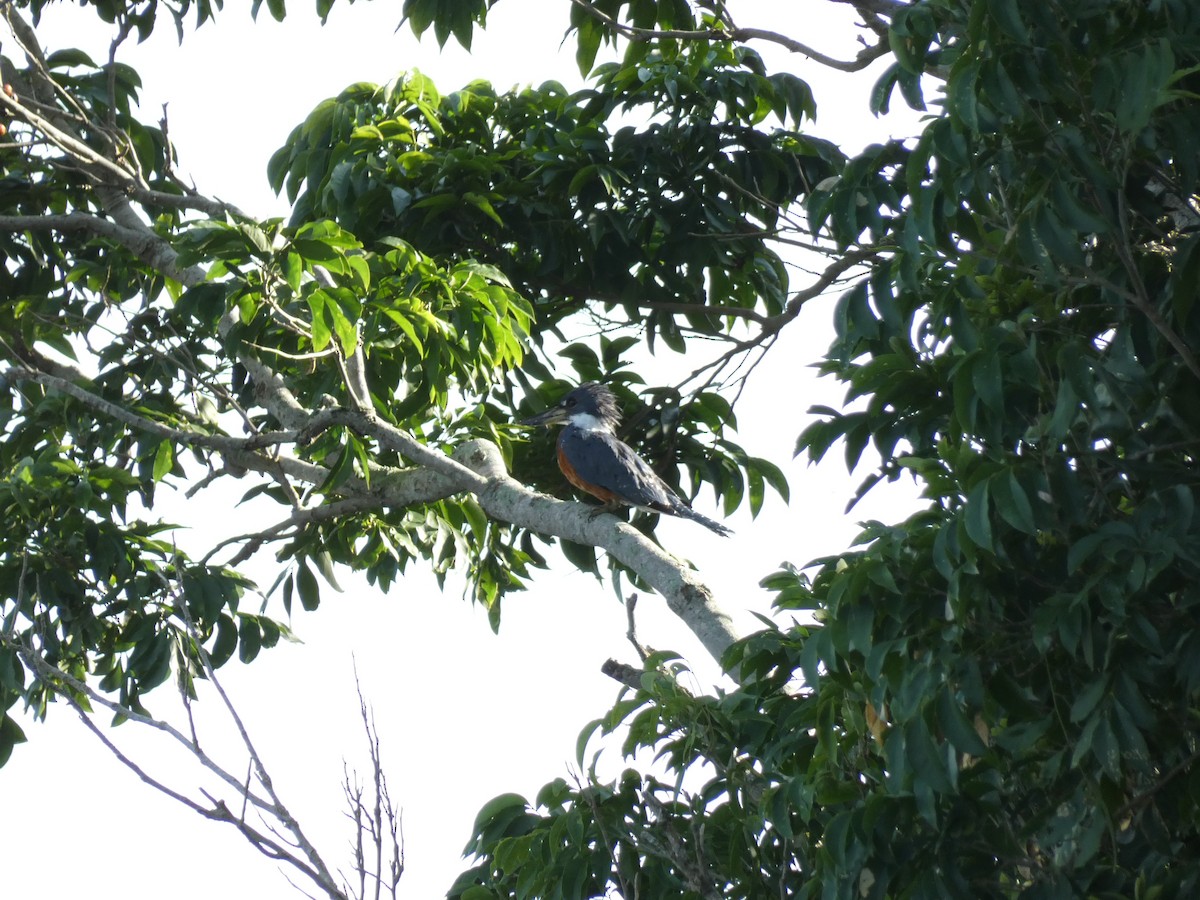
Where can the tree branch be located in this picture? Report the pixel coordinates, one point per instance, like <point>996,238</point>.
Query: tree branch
<point>56,679</point>
<point>98,166</point>
<point>119,413</point>
<point>139,240</point>
<point>323,876</point>
<point>865,57</point>
<point>688,597</point>
<point>1140,297</point>
<point>477,468</point>
<point>310,864</point>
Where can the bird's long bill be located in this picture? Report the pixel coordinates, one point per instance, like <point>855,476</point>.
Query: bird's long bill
<point>553,416</point>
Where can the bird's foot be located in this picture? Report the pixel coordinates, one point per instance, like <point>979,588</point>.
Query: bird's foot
<point>607,508</point>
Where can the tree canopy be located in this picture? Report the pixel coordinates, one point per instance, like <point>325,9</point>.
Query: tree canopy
<point>996,697</point>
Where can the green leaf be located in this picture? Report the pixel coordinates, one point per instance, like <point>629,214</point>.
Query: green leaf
<point>225,642</point>
<point>293,270</point>
<point>361,270</point>
<point>69,59</point>
<point>585,737</point>
<point>10,735</point>
<point>164,460</point>
<point>881,92</point>
<point>484,205</point>
<point>249,639</point>
<point>1007,15</point>
<point>346,330</point>
<point>961,93</point>
<point>499,811</point>
<point>588,34</point>
<point>988,380</point>
<point>410,332</point>
<point>582,556</point>
<point>1011,501</point>
<point>306,585</point>
<point>958,729</point>
<point>321,333</point>
<point>1089,698</point>
<point>325,565</point>
<point>976,516</point>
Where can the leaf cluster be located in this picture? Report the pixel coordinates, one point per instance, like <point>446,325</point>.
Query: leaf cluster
<point>995,697</point>
<point>672,214</point>
<point>447,250</point>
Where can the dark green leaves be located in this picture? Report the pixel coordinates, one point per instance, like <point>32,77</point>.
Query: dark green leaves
<point>993,699</point>
<point>494,177</point>
<point>457,18</point>
<point>10,735</point>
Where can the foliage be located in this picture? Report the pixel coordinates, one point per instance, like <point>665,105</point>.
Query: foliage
<point>998,696</point>
<point>446,256</point>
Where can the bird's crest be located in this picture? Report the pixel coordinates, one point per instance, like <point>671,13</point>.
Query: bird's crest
<point>604,400</point>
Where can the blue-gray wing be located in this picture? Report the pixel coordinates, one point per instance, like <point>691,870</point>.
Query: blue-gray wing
<point>600,460</point>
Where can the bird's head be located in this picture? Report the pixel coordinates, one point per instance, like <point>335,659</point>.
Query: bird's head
<point>590,406</point>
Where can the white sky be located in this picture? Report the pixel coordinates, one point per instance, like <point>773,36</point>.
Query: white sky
<point>463,715</point>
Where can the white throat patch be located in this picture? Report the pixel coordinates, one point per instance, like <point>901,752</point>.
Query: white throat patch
<point>588,422</point>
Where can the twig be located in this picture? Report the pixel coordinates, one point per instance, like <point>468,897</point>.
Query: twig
<point>142,242</point>
<point>73,147</point>
<point>1141,298</point>
<point>864,58</point>
<point>115,411</point>
<point>53,676</point>
<point>382,814</point>
<point>299,517</point>
<point>10,625</point>
<point>1145,796</point>
<point>628,675</point>
<point>631,633</point>
<point>276,807</point>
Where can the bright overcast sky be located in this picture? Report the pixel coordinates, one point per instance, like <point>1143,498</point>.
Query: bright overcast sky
<point>463,715</point>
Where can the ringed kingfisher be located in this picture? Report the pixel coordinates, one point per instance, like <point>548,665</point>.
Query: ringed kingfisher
<point>595,460</point>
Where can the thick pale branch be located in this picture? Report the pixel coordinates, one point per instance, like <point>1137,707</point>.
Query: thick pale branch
<point>628,675</point>
<point>138,239</point>
<point>688,597</point>
<point>476,468</point>
<point>392,438</point>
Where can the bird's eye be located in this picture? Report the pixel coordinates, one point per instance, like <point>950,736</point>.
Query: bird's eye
<point>569,402</point>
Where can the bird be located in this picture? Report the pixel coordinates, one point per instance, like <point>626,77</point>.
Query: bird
<point>599,463</point>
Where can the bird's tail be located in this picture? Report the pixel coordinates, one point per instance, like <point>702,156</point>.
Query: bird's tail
<point>686,512</point>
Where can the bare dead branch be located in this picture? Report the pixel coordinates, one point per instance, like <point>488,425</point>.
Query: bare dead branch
<point>628,675</point>
<point>631,632</point>
<point>381,823</point>
<point>276,808</point>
